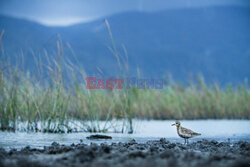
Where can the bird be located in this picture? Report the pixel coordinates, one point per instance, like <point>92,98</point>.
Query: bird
<point>184,132</point>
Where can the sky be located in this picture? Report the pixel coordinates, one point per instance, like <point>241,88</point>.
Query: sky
<point>68,12</point>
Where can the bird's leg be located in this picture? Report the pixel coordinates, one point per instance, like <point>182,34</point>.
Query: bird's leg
<point>187,141</point>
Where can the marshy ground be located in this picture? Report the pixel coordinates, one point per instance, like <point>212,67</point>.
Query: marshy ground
<point>152,153</point>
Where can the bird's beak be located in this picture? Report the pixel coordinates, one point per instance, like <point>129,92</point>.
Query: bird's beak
<point>173,124</point>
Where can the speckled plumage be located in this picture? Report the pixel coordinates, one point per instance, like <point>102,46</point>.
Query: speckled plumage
<point>184,132</point>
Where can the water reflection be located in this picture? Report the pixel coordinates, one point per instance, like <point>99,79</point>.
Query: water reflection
<point>220,130</point>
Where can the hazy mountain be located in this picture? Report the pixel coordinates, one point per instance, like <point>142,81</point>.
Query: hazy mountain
<point>214,41</point>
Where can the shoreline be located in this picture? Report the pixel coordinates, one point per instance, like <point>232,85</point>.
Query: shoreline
<point>152,153</point>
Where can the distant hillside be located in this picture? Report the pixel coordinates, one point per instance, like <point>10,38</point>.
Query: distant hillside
<point>213,41</point>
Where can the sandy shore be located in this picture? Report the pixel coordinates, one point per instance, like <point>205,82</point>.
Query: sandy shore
<point>132,154</point>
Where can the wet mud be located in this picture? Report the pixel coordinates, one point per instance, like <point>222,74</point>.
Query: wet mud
<point>156,153</point>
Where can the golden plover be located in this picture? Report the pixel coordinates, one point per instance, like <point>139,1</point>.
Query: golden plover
<point>184,132</point>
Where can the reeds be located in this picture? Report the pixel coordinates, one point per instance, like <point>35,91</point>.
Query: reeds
<point>22,99</point>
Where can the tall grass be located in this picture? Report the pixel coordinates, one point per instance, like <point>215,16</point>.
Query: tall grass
<point>23,99</point>
<point>51,105</point>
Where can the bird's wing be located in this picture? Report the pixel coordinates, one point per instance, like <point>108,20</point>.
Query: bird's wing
<point>188,131</point>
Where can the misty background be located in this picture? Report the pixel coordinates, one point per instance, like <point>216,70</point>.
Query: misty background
<point>65,12</point>
<point>183,38</point>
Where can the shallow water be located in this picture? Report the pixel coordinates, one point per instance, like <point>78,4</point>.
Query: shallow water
<point>220,130</point>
